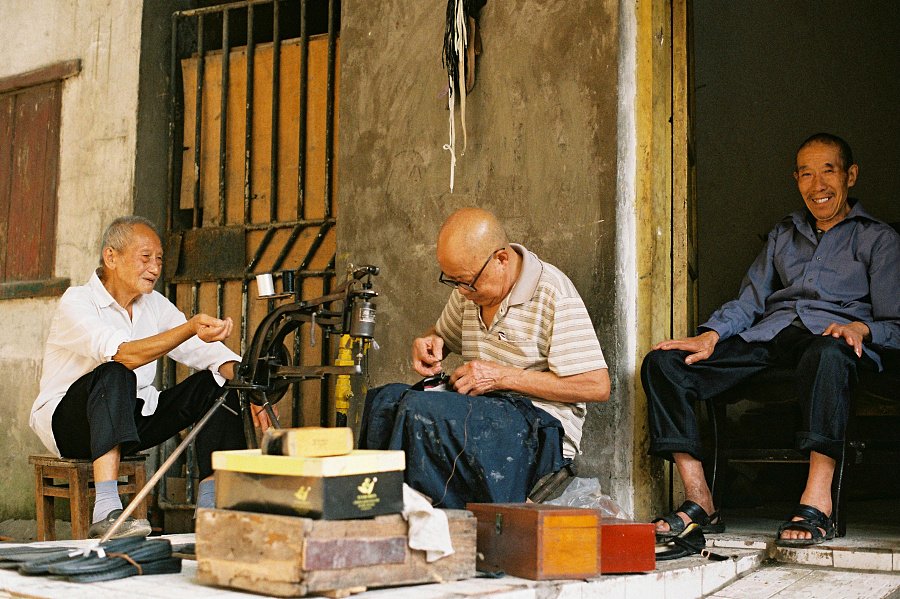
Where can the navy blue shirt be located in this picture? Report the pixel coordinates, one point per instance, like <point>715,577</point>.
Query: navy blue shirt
<point>852,274</point>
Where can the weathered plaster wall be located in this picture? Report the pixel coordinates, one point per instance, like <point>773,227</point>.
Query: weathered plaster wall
<point>542,143</point>
<point>95,185</point>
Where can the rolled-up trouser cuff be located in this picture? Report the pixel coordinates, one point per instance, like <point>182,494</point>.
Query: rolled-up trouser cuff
<point>807,442</point>
<point>664,448</point>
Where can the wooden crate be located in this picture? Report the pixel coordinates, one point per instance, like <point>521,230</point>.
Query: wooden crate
<point>538,541</point>
<point>627,546</point>
<point>289,556</point>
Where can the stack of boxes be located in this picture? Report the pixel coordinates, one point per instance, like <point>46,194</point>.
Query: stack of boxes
<point>307,513</point>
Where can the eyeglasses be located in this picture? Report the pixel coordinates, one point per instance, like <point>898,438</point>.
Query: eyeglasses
<point>468,286</point>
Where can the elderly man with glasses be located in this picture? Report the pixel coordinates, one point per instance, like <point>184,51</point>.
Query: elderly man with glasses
<point>515,410</point>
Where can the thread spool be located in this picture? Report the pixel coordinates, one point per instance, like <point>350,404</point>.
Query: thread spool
<point>265,285</point>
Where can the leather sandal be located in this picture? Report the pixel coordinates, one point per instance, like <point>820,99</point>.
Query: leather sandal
<point>39,565</point>
<point>695,514</point>
<point>813,521</point>
<point>690,542</point>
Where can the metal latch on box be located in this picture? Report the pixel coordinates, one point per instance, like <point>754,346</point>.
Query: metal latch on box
<point>498,524</point>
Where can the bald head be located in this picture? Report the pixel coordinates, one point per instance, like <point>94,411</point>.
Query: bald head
<point>470,233</point>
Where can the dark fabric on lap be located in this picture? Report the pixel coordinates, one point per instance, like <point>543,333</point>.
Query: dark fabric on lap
<point>101,410</point>
<point>462,448</point>
<point>826,370</point>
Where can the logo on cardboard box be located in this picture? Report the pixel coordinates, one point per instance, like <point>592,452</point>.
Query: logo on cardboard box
<point>367,499</point>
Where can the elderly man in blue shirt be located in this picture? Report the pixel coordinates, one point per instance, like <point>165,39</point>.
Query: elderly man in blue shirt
<point>823,296</point>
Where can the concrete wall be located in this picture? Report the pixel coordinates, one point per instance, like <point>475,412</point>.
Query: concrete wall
<point>98,131</point>
<point>769,75</point>
<point>542,129</point>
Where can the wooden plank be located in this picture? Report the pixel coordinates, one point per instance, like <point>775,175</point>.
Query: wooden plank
<point>47,241</point>
<point>48,74</point>
<point>653,230</point>
<point>263,553</point>
<point>34,108</point>
<point>7,119</point>
<point>334,554</point>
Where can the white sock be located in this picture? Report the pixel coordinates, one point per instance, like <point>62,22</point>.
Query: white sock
<point>107,499</point>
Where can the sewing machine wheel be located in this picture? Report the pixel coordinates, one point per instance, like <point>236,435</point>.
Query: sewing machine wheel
<point>277,356</point>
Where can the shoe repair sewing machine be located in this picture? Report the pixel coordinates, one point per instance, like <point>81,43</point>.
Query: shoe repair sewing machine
<point>266,371</point>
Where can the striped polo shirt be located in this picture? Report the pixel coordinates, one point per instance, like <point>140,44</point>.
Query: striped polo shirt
<point>541,325</point>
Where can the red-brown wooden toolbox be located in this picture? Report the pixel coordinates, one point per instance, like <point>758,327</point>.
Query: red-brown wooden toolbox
<point>538,541</point>
<point>627,546</point>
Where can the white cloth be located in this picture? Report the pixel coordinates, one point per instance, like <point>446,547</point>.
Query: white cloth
<point>429,529</point>
<point>87,329</point>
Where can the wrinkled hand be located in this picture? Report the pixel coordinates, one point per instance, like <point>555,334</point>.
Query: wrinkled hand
<point>210,329</point>
<point>261,418</point>
<point>700,346</point>
<point>478,377</point>
<point>428,352</point>
<point>854,333</point>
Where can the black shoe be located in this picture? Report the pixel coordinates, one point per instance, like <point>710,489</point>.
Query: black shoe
<point>129,528</point>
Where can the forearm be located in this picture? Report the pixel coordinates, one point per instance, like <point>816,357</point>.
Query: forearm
<point>134,354</point>
<point>585,387</point>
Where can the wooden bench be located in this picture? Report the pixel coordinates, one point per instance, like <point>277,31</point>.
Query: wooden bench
<point>63,477</point>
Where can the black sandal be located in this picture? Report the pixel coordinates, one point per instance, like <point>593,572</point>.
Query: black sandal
<point>695,514</point>
<point>813,521</point>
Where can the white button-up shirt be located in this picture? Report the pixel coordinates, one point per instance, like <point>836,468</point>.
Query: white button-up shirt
<point>87,330</point>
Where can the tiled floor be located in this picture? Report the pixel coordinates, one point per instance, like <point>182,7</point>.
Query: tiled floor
<point>864,564</point>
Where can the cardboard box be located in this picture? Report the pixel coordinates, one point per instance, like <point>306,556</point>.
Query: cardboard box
<point>627,546</point>
<point>291,557</point>
<point>361,484</point>
<point>538,541</point>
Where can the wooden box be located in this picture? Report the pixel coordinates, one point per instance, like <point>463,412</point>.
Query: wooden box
<point>537,541</point>
<point>287,556</point>
<point>627,546</point>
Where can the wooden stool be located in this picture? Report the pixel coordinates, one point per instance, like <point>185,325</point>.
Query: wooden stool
<point>77,478</point>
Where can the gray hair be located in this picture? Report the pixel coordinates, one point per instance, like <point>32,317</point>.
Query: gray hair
<point>120,232</point>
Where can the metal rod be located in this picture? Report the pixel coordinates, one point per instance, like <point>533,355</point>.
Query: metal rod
<point>212,9</point>
<point>223,116</point>
<point>314,246</point>
<point>288,246</point>
<point>132,505</point>
<point>248,115</point>
<point>259,250</point>
<point>173,108</point>
<point>329,107</point>
<point>301,136</point>
<point>198,121</point>
<point>276,110</point>
<point>325,358</point>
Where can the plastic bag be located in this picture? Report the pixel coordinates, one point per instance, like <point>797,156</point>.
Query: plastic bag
<point>585,492</point>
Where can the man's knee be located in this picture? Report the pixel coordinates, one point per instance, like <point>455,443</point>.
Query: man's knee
<point>661,365</point>
<point>116,372</point>
<point>829,352</point>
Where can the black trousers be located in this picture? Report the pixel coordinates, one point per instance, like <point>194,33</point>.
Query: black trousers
<point>826,371</point>
<point>101,410</point>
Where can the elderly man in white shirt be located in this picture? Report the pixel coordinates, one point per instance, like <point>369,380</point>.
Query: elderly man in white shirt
<point>97,399</point>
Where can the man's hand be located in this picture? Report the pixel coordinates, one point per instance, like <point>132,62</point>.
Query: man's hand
<point>428,351</point>
<point>854,333</point>
<point>261,418</point>
<point>700,346</point>
<point>210,329</point>
<point>478,377</point>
